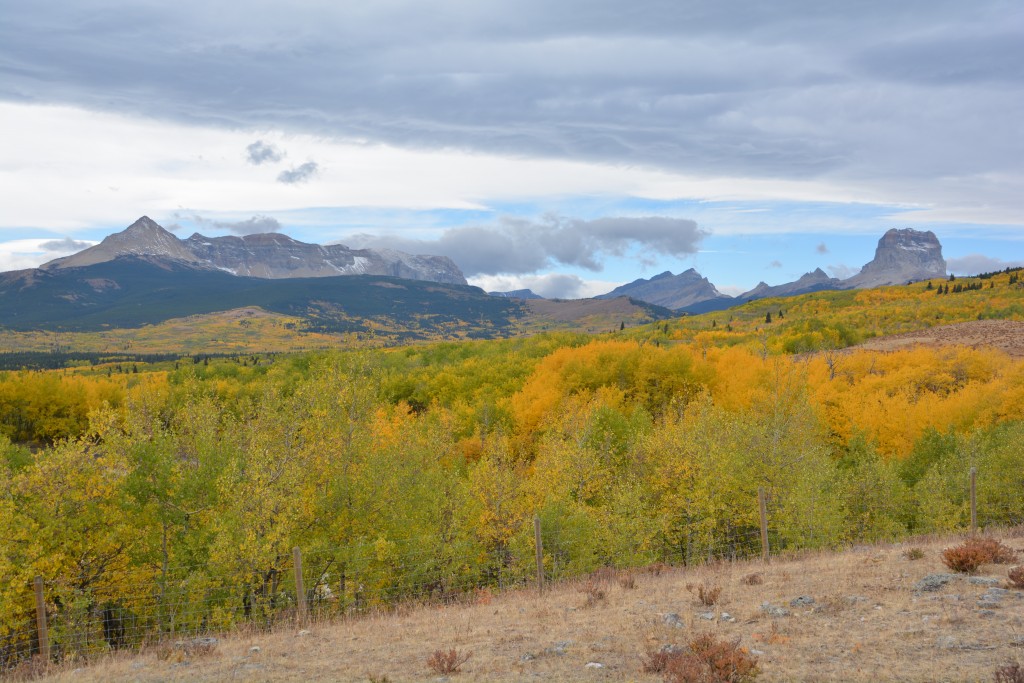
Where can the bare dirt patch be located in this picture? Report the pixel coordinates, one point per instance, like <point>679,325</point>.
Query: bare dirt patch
<point>1005,335</point>
<point>872,613</point>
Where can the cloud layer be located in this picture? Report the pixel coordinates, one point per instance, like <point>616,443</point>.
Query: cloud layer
<point>519,246</point>
<point>919,100</point>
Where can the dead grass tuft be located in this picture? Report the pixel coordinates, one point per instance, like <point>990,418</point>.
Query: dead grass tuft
<point>446,662</point>
<point>627,581</point>
<point>594,591</point>
<point>707,593</point>
<point>753,579</point>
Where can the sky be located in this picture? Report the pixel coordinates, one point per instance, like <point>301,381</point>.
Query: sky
<point>567,147</point>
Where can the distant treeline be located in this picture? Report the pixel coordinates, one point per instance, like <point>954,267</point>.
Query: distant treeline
<point>55,360</point>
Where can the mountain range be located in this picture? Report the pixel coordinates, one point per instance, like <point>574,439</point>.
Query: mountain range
<point>902,256</point>
<point>145,275</point>
<point>267,255</point>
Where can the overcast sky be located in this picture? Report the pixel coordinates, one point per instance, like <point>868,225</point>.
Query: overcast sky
<point>568,146</point>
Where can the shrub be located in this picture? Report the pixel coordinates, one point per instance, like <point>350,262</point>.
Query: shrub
<point>995,551</point>
<point>1016,577</point>
<point>705,660</point>
<point>913,553</point>
<point>447,662</point>
<point>1010,673</point>
<point>974,552</point>
<point>627,581</point>
<point>755,579</point>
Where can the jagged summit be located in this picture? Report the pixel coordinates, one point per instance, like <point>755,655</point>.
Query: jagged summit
<point>902,255</point>
<point>266,255</point>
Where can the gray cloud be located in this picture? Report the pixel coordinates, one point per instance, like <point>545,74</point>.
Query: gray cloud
<point>973,264</point>
<point>261,152</point>
<point>299,175</point>
<point>821,248</point>
<point>928,104</point>
<point>775,264</point>
<point>248,226</point>
<point>66,245</point>
<point>516,246</point>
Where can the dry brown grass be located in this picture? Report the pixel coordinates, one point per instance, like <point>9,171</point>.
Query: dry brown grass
<point>868,623</point>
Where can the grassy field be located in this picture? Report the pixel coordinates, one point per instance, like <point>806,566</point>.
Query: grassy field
<point>866,620</point>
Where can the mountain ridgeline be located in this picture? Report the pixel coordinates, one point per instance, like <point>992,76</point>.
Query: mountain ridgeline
<point>902,256</point>
<point>268,255</point>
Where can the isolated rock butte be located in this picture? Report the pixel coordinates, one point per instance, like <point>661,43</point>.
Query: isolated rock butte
<point>902,256</point>
<point>268,255</point>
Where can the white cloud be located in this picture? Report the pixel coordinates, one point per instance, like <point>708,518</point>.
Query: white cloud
<point>549,286</point>
<point>31,253</point>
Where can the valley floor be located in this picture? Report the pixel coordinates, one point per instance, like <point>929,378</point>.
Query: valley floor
<point>858,615</point>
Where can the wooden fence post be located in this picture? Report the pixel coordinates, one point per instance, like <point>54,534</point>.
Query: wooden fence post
<point>300,590</point>
<point>764,523</point>
<point>974,502</point>
<point>539,547</point>
<point>41,628</point>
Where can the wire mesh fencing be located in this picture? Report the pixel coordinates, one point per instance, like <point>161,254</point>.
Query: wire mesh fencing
<point>73,619</point>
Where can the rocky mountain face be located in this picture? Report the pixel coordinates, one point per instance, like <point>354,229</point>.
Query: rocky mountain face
<point>268,256</point>
<point>814,281</point>
<point>671,291</point>
<point>902,256</point>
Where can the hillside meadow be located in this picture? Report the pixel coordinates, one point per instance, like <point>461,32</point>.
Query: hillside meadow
<point>171,497</point>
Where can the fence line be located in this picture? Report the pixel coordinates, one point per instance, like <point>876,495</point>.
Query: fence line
<point>175,608</point>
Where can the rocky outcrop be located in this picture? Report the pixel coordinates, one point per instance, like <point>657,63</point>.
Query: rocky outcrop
<point>902,256</point>
<point>269,255</point>
<point>671,291</point>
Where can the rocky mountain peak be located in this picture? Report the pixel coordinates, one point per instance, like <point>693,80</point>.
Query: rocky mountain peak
<point>902,255</point>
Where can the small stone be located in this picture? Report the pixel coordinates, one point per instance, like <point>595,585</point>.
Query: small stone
<point>725,616</point>
<point>255,649</point>
<point>757,652</point>
<point>672,619</point>
<point>983,581</point>
<point>303,633</point>
<point>997,593</point>
<point>528,657</point>
<point>986,613</point>
<point>773,611</point>
<point>934,582</point>
<point>707,616</point>
<point>801,601</point>
<point>595,665</point>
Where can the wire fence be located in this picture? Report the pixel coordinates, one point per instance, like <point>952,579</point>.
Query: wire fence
<point>186,602</point>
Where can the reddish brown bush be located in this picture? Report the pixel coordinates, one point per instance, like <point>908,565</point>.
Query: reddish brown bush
<point>1016,577</point>
<point>974,552</point>
<point>705,660</point>
<point>447,662</point>
<point>1010,673</point>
